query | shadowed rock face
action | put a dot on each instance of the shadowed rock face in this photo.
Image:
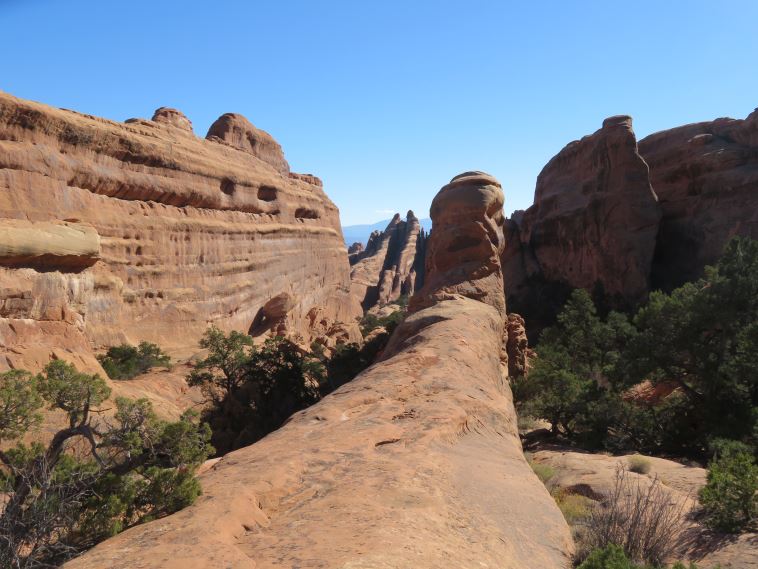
(594, 219)
(706, 178)
(415, 463)
(121, 232)
(391, 265)
(621, 220)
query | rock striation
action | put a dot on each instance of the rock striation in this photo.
(121, 232)
(415, 463)
(621, 218)
(391, 265)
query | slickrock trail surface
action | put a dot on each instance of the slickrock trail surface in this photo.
(391, 265)
(120, 232)
(415, 463)
(593, 475)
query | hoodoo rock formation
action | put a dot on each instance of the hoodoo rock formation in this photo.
(391, 265)
(415, 463)
(120, 232)
(622, 219)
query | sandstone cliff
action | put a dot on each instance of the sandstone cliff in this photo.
(594, 219)
(706, 178)
(391, 265)
(415, 463)
(120, 232)
(622, 219)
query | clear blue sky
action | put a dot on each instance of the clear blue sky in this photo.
(387, 100)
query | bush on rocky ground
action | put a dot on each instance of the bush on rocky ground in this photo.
(127, 362)
(97, 476)
(730, 496)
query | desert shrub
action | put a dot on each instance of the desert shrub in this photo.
(574, 507)
(573, 357)
(127, 362)
(701, 339)
(639, 464)
(613, 557)
(97, 476)
(730, 496)
(637, 516)
(250, 390)
(370, 322)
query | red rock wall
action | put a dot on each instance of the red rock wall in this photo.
(706, 178)
(191, 232)
(391, 265)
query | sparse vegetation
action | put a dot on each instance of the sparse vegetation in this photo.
(697, 349)
(370, 322)
(127, 362)
(251, 390)
(639, 464)
(730, 496)
(543, 471)
(97, 476)
(638, 516)
(613, 557)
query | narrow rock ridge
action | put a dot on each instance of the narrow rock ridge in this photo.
(121, 232)
(415, 463)
(391, 265)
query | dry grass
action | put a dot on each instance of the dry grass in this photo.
(640, 517)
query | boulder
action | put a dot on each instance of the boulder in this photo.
(237, 131)
(173, 117)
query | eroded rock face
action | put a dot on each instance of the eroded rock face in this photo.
(173, 117)
(113, 232)
(621, 220)
(415, 463)
(517, 347)
(240, 133)
(706, 178)
(594, 220)
(464, 258)
(391, 265)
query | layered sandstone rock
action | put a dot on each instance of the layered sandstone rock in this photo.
(237, 131)
(621, 220)
(706, 178)
(391, 265)
(594, 220)
(415, 463)
(517, 347)
(121, 232)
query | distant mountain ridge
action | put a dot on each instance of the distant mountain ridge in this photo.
(360, 233)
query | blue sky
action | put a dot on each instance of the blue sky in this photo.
(387, 100)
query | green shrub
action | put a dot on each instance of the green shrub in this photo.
(729, 498)
(127, 362)
(251, 390)
(370, 322)
(95, 478)
(613, 557)
(639, 464)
